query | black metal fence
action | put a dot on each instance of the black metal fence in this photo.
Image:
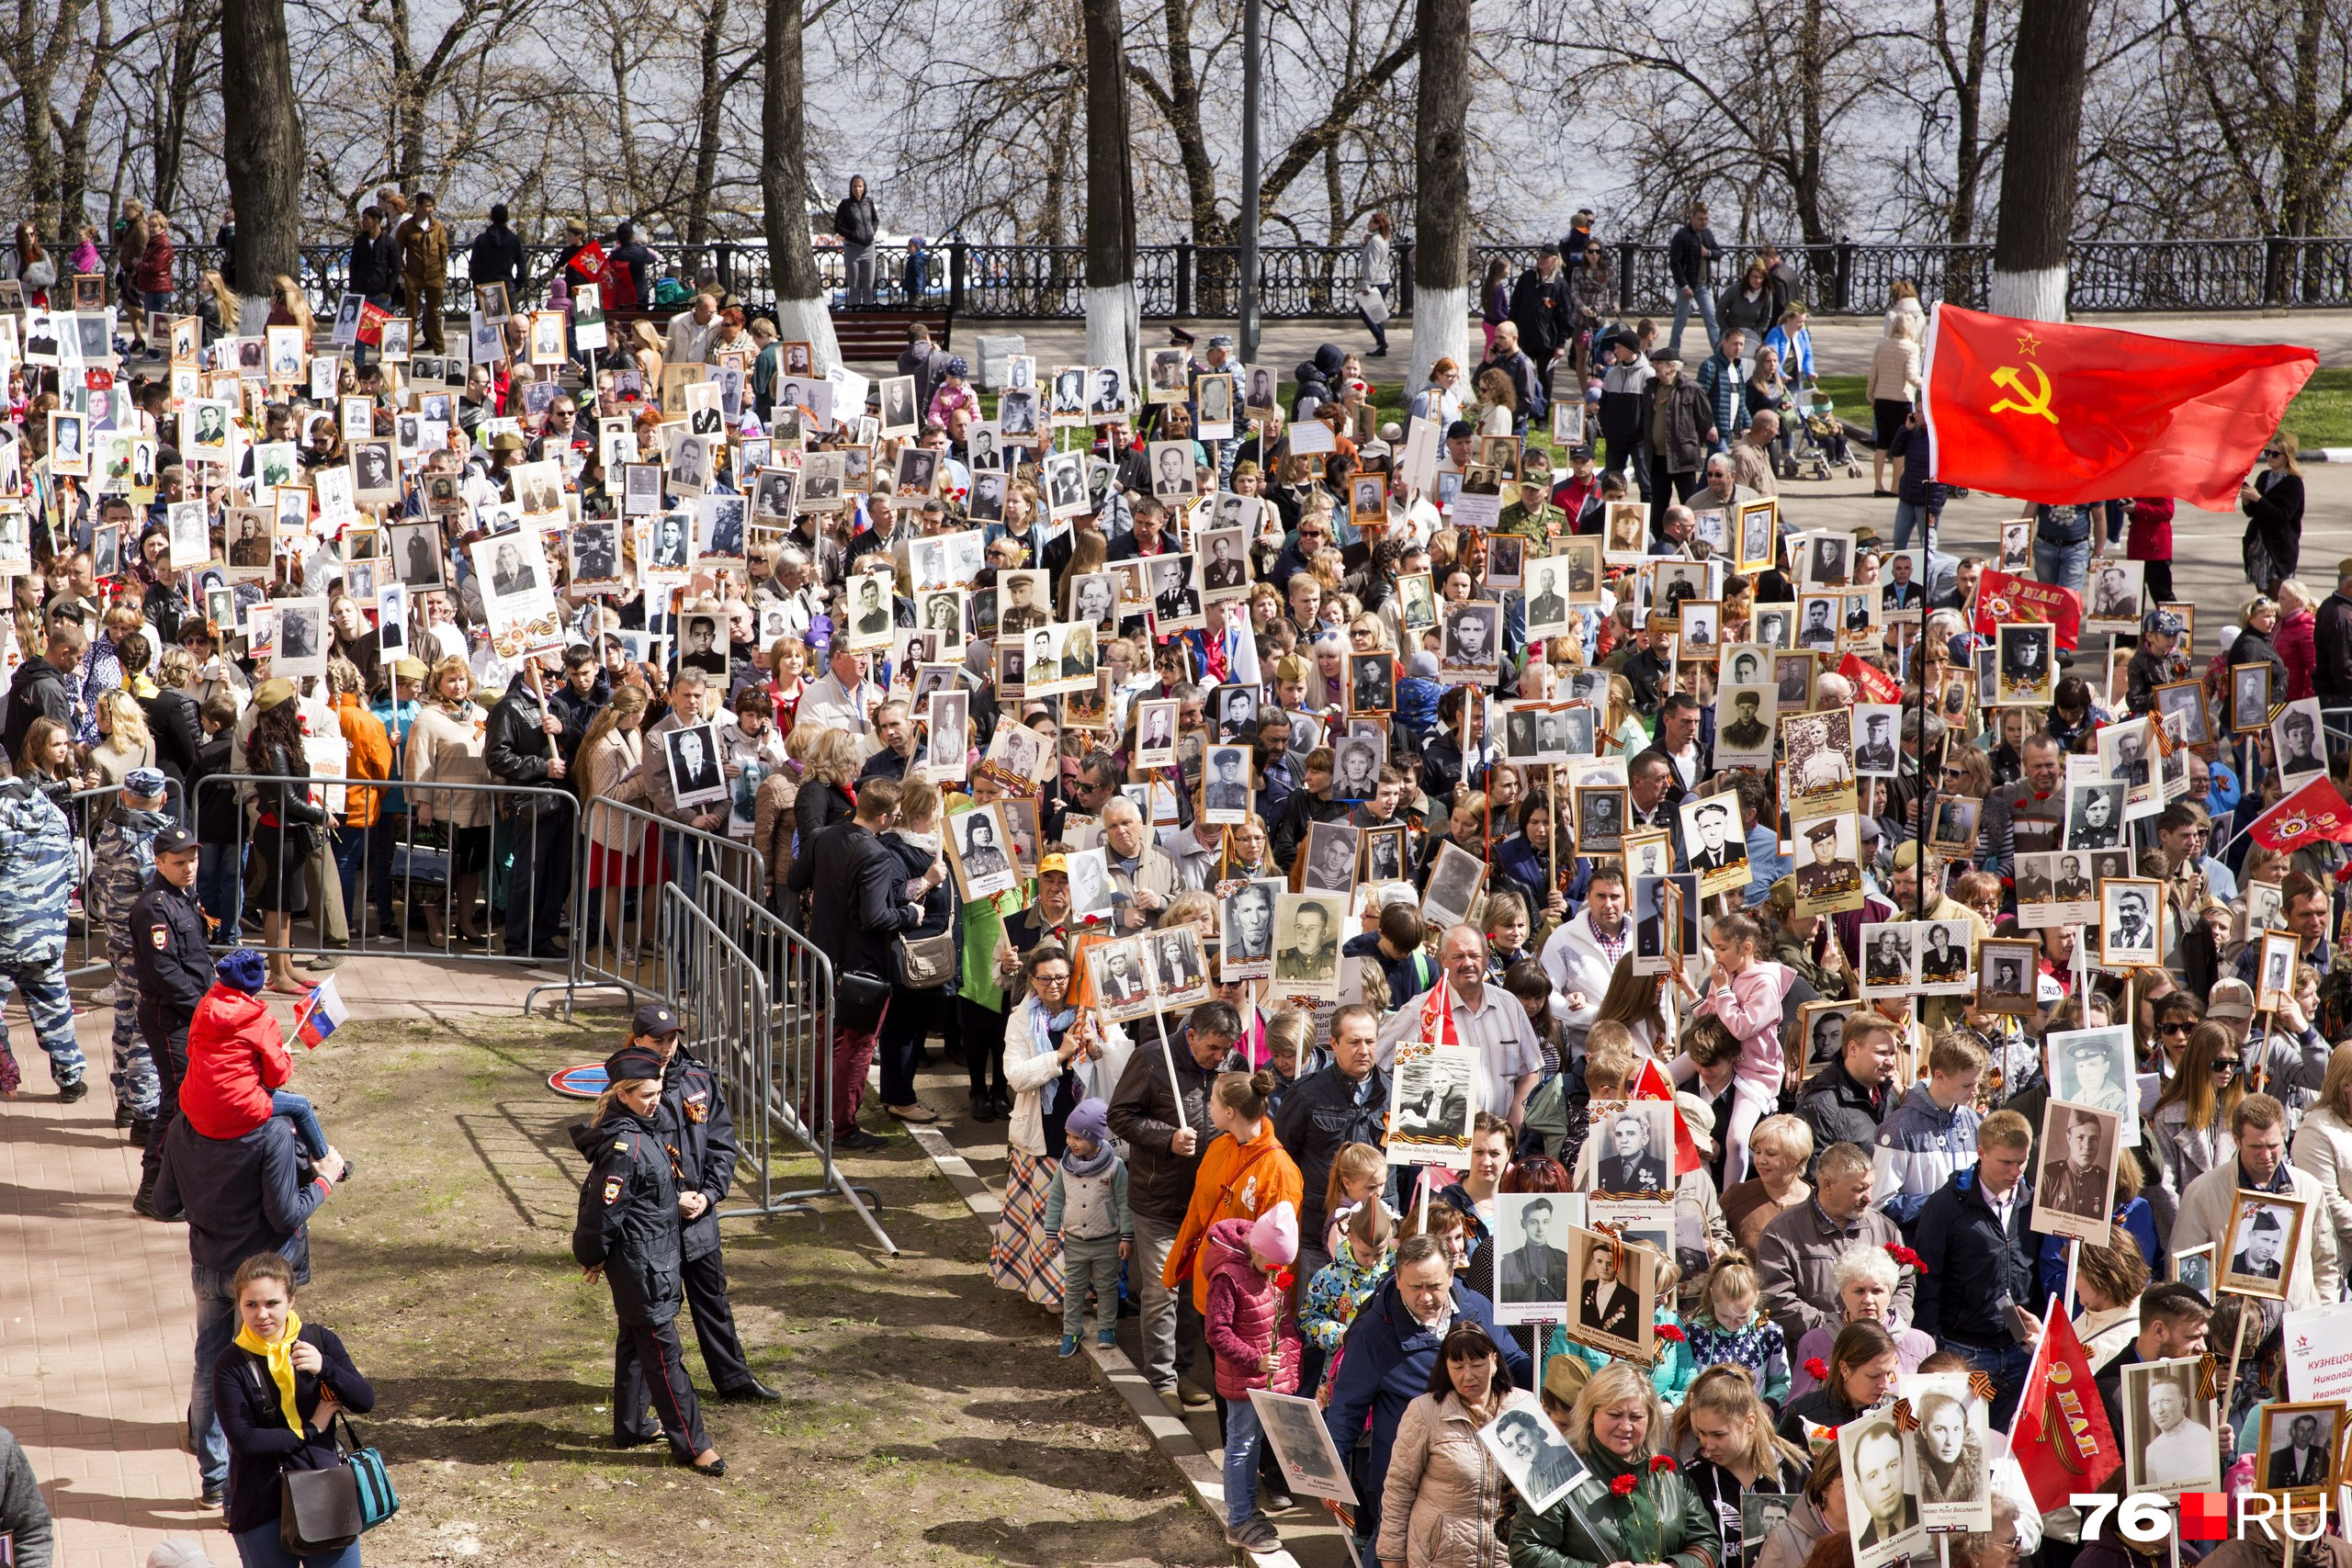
(1180, 280)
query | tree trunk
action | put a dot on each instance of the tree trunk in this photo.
(1968, 124)
(709, 104)
(1184, 110)
(261, 143)
(1112, 320)
(801, 312)
(1441, 187)
(2046, 73)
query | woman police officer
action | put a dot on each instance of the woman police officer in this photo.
(627, 1229)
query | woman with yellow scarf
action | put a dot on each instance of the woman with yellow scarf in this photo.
(277, 1390)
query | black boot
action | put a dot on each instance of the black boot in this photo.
(144, 1204)
(141, 1129)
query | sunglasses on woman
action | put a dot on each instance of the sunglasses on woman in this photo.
(2228, 1064)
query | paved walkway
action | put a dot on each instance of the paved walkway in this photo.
(99, 1328)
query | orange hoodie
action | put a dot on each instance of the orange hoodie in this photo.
(1236, 1181)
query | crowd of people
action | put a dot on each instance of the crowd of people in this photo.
(1152, 735)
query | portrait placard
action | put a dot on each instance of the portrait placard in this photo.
(2074, 1194)
(1434, 1093)
(2169, 1431)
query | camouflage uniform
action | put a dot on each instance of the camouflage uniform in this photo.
(36, 875)
(125, 857)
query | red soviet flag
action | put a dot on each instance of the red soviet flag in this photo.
(2059, 1435)
(2059, 414)
(2314, 813)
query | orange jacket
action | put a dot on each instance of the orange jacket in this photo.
(1236, 1181)
(370, 757)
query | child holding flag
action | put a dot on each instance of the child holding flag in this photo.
(237, 1063)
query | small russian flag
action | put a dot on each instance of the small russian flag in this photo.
(321, 1012)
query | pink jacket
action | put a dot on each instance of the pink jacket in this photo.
(1751, 1008)
(2293, 641)
(946, 399)
(1246, 1312)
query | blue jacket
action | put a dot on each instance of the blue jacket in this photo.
(240, 1196)
(1920, 1147)
(1385, 1365)
(1970, 1266)
(36, 869)
(1726, 392)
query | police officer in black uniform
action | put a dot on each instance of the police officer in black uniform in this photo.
(627, 1229)
(174, 963)
(700, 1132)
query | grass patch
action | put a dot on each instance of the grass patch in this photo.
(926, 1419)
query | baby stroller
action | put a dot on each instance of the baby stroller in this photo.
(1821, 443)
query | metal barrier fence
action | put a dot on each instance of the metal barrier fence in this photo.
(419, 882)
(665, 912)
(1299, 281)
(86, 953)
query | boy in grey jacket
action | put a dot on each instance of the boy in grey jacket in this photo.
(1086, 1211)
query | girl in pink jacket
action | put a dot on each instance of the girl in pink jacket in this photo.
(1745, 993)
(1254, 1335)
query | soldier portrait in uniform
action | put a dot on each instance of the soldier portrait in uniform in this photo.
(1306, 949)
(1875, 752)
(2027, 670)
(1532, 1266)
(2094, 815)
(2259, 1247)
(2073, 1192)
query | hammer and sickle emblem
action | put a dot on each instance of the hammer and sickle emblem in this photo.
(2034, 403)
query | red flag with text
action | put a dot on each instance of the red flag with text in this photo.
(2313, 813)
(2062, 414)
(2004, 598)
(2060, 1436)
(1870, 683)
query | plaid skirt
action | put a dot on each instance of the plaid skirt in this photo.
(1020, 1258)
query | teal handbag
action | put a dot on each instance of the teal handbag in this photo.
(377, 1501)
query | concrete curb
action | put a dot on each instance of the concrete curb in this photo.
(1199, 1467)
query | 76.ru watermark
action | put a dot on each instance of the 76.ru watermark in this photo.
(2145, 1518)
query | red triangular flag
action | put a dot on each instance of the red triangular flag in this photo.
(2315, 812)
(2060, 1436)
(2002, 598)
(2062, 414)
(1653, 1084)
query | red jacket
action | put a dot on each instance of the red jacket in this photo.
(235, 1057)
(153, 272)
(2293, 641)
(1248, 1315)
(2149, 537)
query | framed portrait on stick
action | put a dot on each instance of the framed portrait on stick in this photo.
(1301, 1444)
(2256, 1253)
(2076, 1192)
(1432, 1098)
(1611, 1286)
(2300, 1455)
(2169, 1444)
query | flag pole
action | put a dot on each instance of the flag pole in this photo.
(2237, 1349)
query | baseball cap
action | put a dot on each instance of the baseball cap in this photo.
(2162, 623)
(2230, 998)
(1053, 864)
(655, 1019)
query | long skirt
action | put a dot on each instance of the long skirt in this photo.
(1020, 1256)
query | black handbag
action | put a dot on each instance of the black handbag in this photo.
(318, 1510)
(858, 1001)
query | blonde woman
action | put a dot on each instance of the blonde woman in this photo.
(444, 745)
(2273, 505)
(623, 850)
(1626, 736)
(1893, 387)
(2324, 1145)
(1618, 1426)
(124, 742)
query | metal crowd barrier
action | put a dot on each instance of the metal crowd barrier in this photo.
(86, 933)
(737, 1026)
(409, 867)
(685, 922)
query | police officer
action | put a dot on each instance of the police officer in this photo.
(120, 866)
(700, 1132)
(36, 874)
(627, 1230)
(167, 945)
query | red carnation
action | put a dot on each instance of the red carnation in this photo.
(1667, 1331)
(1818, 1370)
(1623, 1487)
(1661, 1461)
(1283, 1279)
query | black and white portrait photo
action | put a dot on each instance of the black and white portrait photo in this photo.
(1432, 1096)
(1949, 1466)
(982, 850)
(1890, 959)
(593, 546)
(2027, 658)
(1175, 594)
(1454, 884)
(1385, 853)
(2094, 815)
(1711, 837)
(1355, 768)
(1302, 1443)
(2129, 936)
(1472, 640)
(1156, 733)
(2111, 596)
(1631, 1147)
(1600, 820)
(1246, 929)
(1531, 1257)
(1944, 957)
(1876, 725)
(1548, 614)
(693, 757)
(1372, 683)
(1531, 1452)
(1225, 796)
(2167, 1437)
(416, 554)
(2006, 976)
(1171, 464)
(1329, 863)
(1307, 932)
(2249, 696)
(900, 416)
(2264, 1233)
(2074, 1186)
(2094, 1067)
(2295, 736)
(1609, 1292)
(301, 637)
(1881, 1516)
(2299, 1453)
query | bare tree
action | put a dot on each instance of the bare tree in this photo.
(261, 145)
(1441, 170)
(2037, 215)
(800, 310)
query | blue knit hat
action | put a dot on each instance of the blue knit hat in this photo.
(243, 970)
(1090, 1120)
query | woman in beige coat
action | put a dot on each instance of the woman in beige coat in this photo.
(444, 745)
(622, 850)
(1444, 1487)
(1893, 387)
